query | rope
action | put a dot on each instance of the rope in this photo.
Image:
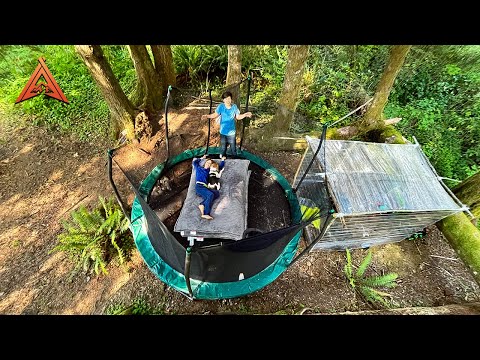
(351, 112)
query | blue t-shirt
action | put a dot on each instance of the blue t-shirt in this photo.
(227, 118)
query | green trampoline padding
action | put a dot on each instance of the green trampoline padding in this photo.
(202, 289)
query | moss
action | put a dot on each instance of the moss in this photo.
(464, 237)
(388, 134)
(331, 133)
(469, 194)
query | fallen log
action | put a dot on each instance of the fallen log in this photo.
(472, 308)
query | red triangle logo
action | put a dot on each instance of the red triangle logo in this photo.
(41, 81)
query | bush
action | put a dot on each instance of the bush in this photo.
(94, 238)
(367, 286)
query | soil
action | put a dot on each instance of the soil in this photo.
(45, 175)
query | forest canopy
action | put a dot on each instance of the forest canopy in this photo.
(436, 92)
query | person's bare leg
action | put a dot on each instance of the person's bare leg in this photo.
(202, 209)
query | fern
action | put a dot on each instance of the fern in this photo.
(366, 286)
(373, 295)
(93, 238)
(139, 306)
(364, 264)
(348, 269)
(387, 280)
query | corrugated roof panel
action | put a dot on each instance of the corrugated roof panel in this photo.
(371, 177)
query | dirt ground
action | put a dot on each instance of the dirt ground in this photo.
(44, 176)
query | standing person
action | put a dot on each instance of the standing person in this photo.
(201, 185)
(228, 112)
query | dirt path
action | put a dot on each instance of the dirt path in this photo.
(44, 176)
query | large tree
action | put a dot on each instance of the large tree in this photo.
(234, 71)
(267, 137)
(163, 61)
(153, 80)
(148, 80)
(464, 237)
(292, 83)
(121, 109)
(373, 117)
(373, 126)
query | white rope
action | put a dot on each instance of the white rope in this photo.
(351, 112)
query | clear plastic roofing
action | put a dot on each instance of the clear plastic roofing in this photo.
(371, 177)
(378, 193)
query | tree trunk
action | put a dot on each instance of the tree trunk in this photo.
(121, 109)
(373, 117)
(353, 51)
(234, 71)
(468, 192)
(464, 237)
(148, 81)
(265, 139)
(163, 60)
(297, 56)
(460, 231)
(450, 309)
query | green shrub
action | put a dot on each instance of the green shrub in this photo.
(196, 65)
(87, 114)
(139, 306)
(366, 285)
(94, 238)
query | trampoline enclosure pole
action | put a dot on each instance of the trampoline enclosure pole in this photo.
(166, 121)
(115, 190)
(246, 109)
(209, 120)
(187, 270)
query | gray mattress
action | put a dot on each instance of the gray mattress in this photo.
(229, 211)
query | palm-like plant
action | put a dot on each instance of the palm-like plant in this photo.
(94, 237)
(366, 285)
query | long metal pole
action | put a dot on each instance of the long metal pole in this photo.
(209, 120)
(166, 121)
(187, 270)
(246, 109)
(324, 131)
(115, 190)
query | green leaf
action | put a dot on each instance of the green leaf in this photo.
(92, 235)
(387, 280)
(348, 265)
(363, 266)
(373, 296)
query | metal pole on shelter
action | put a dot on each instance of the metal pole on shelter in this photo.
(322, 138)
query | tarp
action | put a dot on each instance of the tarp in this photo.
(374, 177)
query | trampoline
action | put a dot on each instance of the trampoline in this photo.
(223, 263)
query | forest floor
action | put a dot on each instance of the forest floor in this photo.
(45, 175)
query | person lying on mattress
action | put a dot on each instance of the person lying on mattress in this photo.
(201, 185)
(214, 176)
